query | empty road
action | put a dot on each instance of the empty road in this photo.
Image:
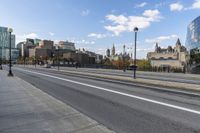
(122, 108)
(174, 77)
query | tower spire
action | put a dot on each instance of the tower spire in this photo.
(178, 42)
(113, 50)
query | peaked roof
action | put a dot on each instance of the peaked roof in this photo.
(156, 44)
(178, 42)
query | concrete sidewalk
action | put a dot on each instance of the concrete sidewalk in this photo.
(26, 109)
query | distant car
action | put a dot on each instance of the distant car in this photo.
(132, 67)
(47, 66)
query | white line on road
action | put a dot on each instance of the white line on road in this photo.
(118, 92)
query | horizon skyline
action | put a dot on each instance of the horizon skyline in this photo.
(100, 28)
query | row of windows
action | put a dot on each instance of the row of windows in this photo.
(162, 58)
(193, 34)
(193, 41)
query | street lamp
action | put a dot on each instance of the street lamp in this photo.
(58, 61)
(53, 58)
(24, 56)
(135, 67)
(35, 61)
(123, 59)
(1, 64)
(40, 60)
(10, 30)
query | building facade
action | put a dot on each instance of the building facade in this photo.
(193, 45)
(14, 54)
(42, 53)
(80, 58)
(67, 45)
(65, 51)
(25, 48)
(98, 58)
(4, 42)
(108, 52)
(113, 56)
(167, 58)
(44, 50)
(33, 41)
(46, 44)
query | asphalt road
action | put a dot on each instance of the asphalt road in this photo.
(174, 77)
(122, 108)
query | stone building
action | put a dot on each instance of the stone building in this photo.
(108, 52)
(81, 58)
(168, 57)
(44, 50)
(115, 56)
(43, 53)
(113, 50)
(25, 47)
(98, 58)
(67, 45)
(46, 44)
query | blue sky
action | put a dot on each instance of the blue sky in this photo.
(98, 24)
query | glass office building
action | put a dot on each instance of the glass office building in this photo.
(193, 43)
(4, 36)
(4, 42)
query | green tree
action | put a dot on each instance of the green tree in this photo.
(144, 65)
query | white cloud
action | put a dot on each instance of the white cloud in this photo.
(81, 41)
(85, 12)
(161, 39)
(176, 7)
(123, 23)
(101, 51)
(116, 29)
(141, 5)
(98, 36)
(153, 15)
(144, 49)
(51, 33)
(121, 19)
(196, 4)
(31, 35)
(21, 38)
(179, 7)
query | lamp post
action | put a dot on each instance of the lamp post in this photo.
(35, 61)
(53, 58)
(24, 52)
(123, 59)
(135, 67)
(58, 61)
(24, 60)
(40, 60)
(10, 30)
(1, 64)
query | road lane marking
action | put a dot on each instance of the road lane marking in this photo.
(117, 92)
(136, 84)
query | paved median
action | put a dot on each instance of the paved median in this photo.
(149, 82)
(159, 83)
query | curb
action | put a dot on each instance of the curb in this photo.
(156, 83)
